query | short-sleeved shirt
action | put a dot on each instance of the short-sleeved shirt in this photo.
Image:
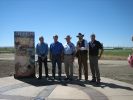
(56, 48)
(69, 48)
(94, 48)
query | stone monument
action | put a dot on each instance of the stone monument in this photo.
(24, 54)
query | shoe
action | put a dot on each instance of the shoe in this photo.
(66, 79)
(47, 78)
(79, 78)
(98, 82)
(93, 81)
(59, 78)
(53, 78)
(39, 78)
(71, 79)
(86, 79)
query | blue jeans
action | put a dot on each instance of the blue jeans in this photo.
(56, 59)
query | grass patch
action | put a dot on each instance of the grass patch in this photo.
(122, 53)
(7, 50)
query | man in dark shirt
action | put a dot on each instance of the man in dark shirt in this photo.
(94, 54)
(82, 55)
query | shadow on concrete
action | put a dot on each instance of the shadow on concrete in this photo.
(110, 85)
(45, 82)
(41, 82)
(50, 81)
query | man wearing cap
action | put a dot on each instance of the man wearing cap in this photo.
(94, 55)
(69, 52)
(42, 52)
(56, 53)
(82, 55)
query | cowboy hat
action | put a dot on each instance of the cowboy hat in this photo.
(80, 35)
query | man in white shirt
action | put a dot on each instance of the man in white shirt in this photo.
(69, 52)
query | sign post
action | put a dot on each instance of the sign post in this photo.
(24, 54)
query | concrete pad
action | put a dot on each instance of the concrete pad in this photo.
(28, 89)
(70, 93)
(8, 81)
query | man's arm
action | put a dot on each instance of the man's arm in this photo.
(101, 50)
(46, 50)
(62, 53)
(100, 54)
(50, 54)
(86, 45)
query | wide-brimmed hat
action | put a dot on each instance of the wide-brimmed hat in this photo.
(55, 36)
(80, 35)
(68, 36)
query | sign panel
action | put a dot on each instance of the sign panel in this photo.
(24, 54)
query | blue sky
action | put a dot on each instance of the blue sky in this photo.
(110, 20)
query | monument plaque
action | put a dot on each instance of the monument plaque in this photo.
(24, 54)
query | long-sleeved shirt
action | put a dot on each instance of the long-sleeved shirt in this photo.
(42, 49)
(69, 48)
(56, 48)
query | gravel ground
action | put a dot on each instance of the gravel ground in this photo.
(114, 69)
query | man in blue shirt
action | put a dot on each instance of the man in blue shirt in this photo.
(69, 53)
(42, 52)
(56, 52)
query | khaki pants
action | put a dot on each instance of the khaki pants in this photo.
(68, 61)
(82, 61)
(94, 67)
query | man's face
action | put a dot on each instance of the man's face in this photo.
(41, 40)
(80, 38)
(55, 39)
(92, 38)
(67, 40)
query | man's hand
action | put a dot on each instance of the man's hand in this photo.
(50, 56)
(43, 58)
(72, 60)
(100, 54)
(99, 57)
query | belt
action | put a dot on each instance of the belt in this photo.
(68, 54)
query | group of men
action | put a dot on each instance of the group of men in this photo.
(66, 53)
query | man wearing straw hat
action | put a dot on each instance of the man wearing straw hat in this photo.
(82, 55)
(69, 52)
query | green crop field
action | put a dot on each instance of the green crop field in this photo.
(123, 52)
(116, 54)
(6, 50)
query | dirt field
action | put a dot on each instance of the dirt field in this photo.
(115, 69)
